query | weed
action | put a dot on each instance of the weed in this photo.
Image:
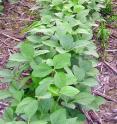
(108, 9)
(103, 35)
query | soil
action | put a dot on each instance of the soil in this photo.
(17, 16)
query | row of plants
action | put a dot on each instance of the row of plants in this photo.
(51, 78)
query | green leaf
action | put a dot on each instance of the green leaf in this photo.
(45, 105)
(28, 106)
(42, 71)
(72, 121)
(16, 94)
(27, 51)
(8, 114)
(39, 122)
(53, 90)
(41, 52)
(6, 73)
(17, 57)
(84, 98)
(49, 62)
(85, 64)
(96, 103)
(58, 117)
(78, 8)
(4, 94)
(34, 39)
(43, 86)
(92, 52)
(60, 79)
(2, 121)
(62, 60)
(93, 72)
(91, 82)
(44, 96)
(66, 40)
(69, 91)
(82, 31)
(16, 122)
(79, 73)
(71, 79)
(68, 105)
(82, 44)
(50, 43)
(56, 2)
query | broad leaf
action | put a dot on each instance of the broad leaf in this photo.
(53, 90)
(60, 79)
(69, 91)
(27, 51)
(28, 106)
(39, 122)
(91, 82)
(84, 98)
(8, 114)
(50, 43)
(4, 94)
(16, 122)
(72, 121)
(79, 73)
(58, 117)
(62, 60)
(96, 103)
(42, 70)
(17, 57)
(43, 86)
(66, 40)
(34, 39)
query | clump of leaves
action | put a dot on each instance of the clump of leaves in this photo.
(55, 70)
(108, 8)
(103, 35)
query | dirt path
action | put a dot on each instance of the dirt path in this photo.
(108, 77)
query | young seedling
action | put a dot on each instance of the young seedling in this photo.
(103, 35)
(108, 9)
